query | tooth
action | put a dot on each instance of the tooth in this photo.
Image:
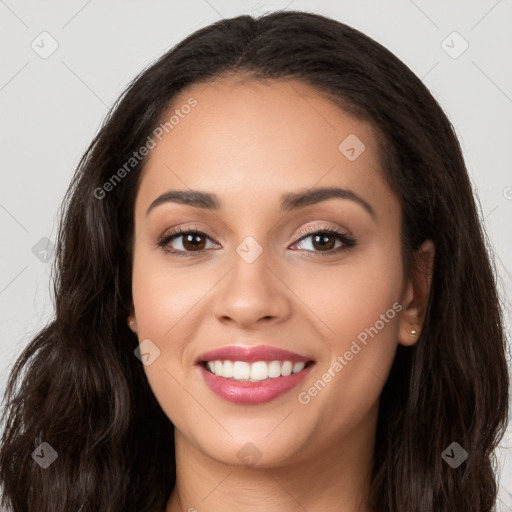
(227, 369)
(286, 369)
(274, 369)
(241, 370)
(298, 367)
(259, 371)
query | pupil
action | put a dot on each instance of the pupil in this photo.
(321, 240)
(193, 240)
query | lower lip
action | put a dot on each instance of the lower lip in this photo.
(250, 393)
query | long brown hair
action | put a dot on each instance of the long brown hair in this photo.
(78, 385)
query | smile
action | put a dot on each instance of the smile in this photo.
(254, 372)
(252, 375)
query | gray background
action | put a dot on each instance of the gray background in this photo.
(52, 107)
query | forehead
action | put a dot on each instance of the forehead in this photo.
(247, 138)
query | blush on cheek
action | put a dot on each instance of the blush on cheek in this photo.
(162, 298)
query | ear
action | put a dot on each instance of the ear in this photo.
(132, 322)
(416, 293)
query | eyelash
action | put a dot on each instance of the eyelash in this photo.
(348, 242)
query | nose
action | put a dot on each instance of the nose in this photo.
(252, 294)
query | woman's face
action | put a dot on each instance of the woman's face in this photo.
(338, 303)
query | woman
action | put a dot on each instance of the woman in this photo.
(272, 293)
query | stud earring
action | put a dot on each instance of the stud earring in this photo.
(413, 332)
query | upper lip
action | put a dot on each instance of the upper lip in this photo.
(251, 354)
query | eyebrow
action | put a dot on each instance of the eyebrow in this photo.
(289, 201)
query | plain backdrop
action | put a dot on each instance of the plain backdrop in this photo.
(52, 105)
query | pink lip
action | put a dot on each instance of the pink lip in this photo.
(252, 393)
(251, 354)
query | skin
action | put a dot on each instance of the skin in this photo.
(250, 142)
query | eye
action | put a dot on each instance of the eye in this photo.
(193, 241)
(323, 240)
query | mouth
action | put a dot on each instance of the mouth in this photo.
(252, 375)
(258, 371)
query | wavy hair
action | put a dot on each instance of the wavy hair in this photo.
(79, 387)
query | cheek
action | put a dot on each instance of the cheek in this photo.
(359, 305)
(163, 295)
(350, 297)
(167, 305)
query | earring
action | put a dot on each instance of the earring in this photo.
(413, 332)
(131, 323)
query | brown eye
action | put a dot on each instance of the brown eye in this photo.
(324, 241)
(189, 241)
(193, 241)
